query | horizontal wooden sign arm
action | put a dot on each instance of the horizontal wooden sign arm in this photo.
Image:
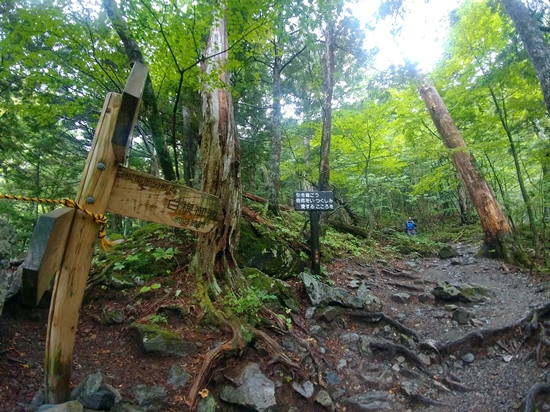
(142, 196)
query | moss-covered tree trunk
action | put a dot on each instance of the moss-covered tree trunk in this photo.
(498, 241)
(220, 149)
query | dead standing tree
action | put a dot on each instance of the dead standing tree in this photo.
(498, 241)
(214, 263)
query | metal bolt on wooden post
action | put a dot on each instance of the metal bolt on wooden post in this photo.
(70, 281)
(65, 241)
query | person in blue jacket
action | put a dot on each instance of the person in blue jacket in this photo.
(410, 227)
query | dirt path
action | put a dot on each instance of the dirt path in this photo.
(501, 370)
(351, 356)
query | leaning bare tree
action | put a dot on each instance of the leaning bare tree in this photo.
(498, 241)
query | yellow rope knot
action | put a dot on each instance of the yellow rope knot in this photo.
(98, 217)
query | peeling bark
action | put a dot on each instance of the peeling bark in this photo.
(220, 150)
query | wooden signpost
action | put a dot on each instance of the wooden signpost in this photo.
(314, 202)
(64, 240)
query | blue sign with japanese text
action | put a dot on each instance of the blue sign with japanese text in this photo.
(313, 201)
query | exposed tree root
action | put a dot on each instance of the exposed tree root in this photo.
(524, 329)
(378, 316)
(451, 381)
(237, 344)
(531, 397)
(393, 348)
(101, 277)
(425, 400)
(277, 354)
(404, 286)
(211, 358)
(399, 274)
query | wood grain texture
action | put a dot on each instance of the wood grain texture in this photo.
(146, 197)
(71, 281)
(45, 253)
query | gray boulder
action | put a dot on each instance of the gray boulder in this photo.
(260, 249)
(324, 295)
(177, 376)
(256, 391)
(150, 398)
(461, 291)
(370, 401)
(157, 339)
(447, 252)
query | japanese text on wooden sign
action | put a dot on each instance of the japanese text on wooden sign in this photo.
(313, 201)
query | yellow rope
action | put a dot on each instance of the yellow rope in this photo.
(98, 217)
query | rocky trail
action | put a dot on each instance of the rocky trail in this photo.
(458, 333)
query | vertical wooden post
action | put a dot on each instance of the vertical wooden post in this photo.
(70, 282)
(109, 147)
(315, 252)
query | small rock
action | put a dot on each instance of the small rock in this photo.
(423, 297)
(468, 358)
(310, 312)
(342, 363)
(323, 398)
(354, 284)
(426, 360)
(317, 331)
(305, 389)
(331, 378)
(401, 297)
(447, 252)
(177, 376)
(462, 316)
(328, 314)
(71, 406)
(438, 315)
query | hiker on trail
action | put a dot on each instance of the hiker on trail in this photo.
(410, 227)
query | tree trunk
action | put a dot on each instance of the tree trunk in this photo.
(328, 82)
(275, 177)
(215, 260)
(190, 144)
(497, 231)
(462, 204)
(534, 42)
(149, 99)
(503, 116)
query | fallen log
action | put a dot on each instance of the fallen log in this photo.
(263, 200)
(253, 216)
(354, 230)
